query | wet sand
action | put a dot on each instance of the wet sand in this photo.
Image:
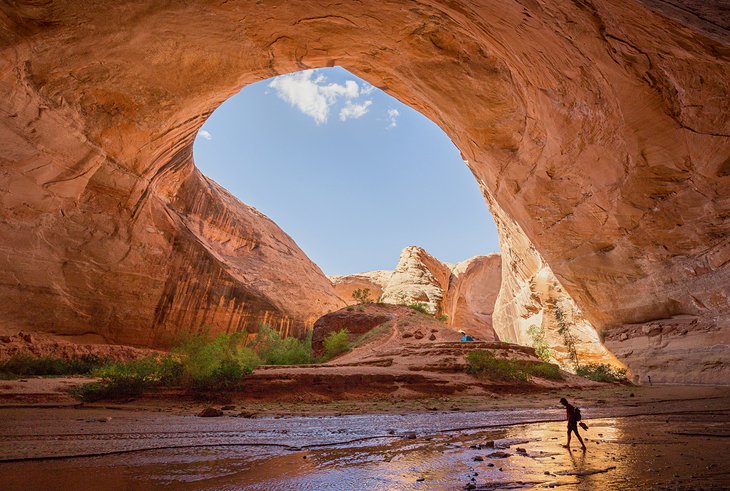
(663, 438)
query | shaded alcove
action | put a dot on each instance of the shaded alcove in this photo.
(594, 129)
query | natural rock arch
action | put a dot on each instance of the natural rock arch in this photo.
(598, 131)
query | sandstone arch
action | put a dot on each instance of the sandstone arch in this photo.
(598, 131)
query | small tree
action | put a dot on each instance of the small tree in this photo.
(564, 330)
(362, 295)
(542, 348)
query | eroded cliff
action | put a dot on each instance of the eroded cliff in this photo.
(599, 127)
(464, 292)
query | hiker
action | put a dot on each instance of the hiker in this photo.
(574, 416)
(464, 336)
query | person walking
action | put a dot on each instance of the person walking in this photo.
(574, 416)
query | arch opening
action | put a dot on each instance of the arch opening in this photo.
(352, 174)
(601, 161)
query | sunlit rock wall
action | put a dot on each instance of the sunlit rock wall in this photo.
(464, 292)
(599, 127)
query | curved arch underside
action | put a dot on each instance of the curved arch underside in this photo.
(598, 131)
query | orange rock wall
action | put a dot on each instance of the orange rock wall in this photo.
(600, 127)
(470, 299)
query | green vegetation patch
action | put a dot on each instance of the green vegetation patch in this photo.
(483, 363)
(336, 343)
(602, 372)
(542, 348)
(24, 366)
(272, 349)
(420, 307)
(362, 295)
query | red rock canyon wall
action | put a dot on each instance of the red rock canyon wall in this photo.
(599, 127)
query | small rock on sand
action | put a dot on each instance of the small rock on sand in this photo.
(499, 455)
(210, 412)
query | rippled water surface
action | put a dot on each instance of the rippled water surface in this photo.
(82, 449)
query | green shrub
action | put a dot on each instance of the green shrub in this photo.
(362, 295)
(443, 318)
(128, 379)
(542, 348)
(484, 363)
(214, 363)
(420, 307)
(336, 343)
(602, 372)
(24, 365)
(549, 371)
(273, 350)
(198, 363)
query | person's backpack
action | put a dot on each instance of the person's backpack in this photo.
(577, 414)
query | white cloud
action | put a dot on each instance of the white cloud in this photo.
(393, 117)
(205, 134)
(366, 88)
(308, 92)
(354, 111)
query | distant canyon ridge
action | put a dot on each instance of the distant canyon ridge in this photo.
(598, 132)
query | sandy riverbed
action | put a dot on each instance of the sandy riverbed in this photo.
(662, 438)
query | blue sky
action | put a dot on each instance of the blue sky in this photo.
(350, 173)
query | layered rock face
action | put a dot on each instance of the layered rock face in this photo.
(472, 294)
(599, 127)
(466, 292)
(529, 300)
(374, 281)
(418, 278)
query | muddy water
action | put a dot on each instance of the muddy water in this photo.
(680, 445)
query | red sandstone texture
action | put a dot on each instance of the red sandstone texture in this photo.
(34, 345)
(598, 132)
(397, 352)
(469, 302)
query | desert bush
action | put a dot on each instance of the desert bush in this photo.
(362, 295)
(272, 349)
(420, 307)
(443, 318)
(24, 365)
(198, 363)
(129, 379)
(542, 348)
(336, 343)
(484, 363)
(602, 372)
(545, 370)
(215, 363)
